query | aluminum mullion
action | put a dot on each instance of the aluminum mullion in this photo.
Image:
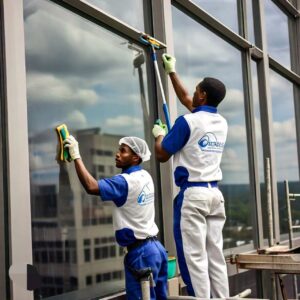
(288, 74)
(4, 248)
(250, 126)
(266, 105)
(17, 148)
(287, 7)
(105, 18)
(212, 24)
(162, 27)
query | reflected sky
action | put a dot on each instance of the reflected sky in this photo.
(284, 128)
(128, 11)
(257, 122)
(225, 12)
(77, 72)
(277, 33)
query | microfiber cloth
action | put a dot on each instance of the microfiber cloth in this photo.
(62, 133)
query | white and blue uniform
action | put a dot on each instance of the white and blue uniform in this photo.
(197, 141)
(133, 219)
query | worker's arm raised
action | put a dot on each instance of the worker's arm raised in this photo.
(89, 183)
(181, 92)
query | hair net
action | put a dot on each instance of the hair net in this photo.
(138, 146)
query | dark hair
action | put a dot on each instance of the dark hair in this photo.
(215, 90)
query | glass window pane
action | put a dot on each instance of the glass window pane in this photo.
(250, 24)
(277, 35)
(128, 11)
(224, 11)
(259, 147)
(218, 59)
(287, 165)
(94, 81)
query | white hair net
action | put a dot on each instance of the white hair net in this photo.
(138, 146)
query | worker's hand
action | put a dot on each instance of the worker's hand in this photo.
(159, 129)
(72, 145)
(169, 63)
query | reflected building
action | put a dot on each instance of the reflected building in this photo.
(73, 238)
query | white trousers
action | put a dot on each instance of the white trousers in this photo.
(199, 217)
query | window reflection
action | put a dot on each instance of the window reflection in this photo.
(128, 11)
(250, 24)
(284, 128)
(200, 53)
(277, 36)
(259, 147)
(94, 81)
(227, 14)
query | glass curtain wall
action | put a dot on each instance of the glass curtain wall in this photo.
(225, 12)
(128, 11)
(259, 145)
(95, 82)
(277, 33)
(285, 145)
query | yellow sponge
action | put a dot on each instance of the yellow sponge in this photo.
(62, 134)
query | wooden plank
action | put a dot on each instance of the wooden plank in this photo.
(281, 263)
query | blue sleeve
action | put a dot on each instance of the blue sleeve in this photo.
(177, 137)
(114, 189)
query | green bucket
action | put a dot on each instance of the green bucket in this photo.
(171, 266)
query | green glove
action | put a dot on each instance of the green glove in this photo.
(169, 63)
(159, 129)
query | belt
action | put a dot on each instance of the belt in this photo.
(138, 243)
(187, 184)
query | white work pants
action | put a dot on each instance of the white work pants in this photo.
(199, 217)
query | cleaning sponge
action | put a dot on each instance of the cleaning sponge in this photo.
(62, 133)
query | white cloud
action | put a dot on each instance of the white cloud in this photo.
(284, 131)
(123, 121)
(76, 119)
(48, 88)
(236, 135)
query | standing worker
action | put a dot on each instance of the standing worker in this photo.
(197, 140)
(132, 192)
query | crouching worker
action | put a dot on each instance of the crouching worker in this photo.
(132, 192)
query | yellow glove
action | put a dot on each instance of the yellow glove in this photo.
(169, 63)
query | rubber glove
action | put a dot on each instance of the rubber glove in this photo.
(72, 145)
(169, 63)
(159, 128)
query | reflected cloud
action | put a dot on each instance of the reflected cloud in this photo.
(284, 132)
(123, 121)
(76, 119)
(58, 91)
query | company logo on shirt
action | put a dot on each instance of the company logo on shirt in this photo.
(146, 196)
(210, 143)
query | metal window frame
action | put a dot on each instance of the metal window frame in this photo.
(266, 105)
(250, 127)
(17, 143)
(4, 248)
(288, 8)
(162, 29)
(106, 20)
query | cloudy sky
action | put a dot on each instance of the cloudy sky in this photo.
(83, 75)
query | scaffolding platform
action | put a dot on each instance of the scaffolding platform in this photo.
(280, 259)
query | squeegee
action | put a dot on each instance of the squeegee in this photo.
(155, 44)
